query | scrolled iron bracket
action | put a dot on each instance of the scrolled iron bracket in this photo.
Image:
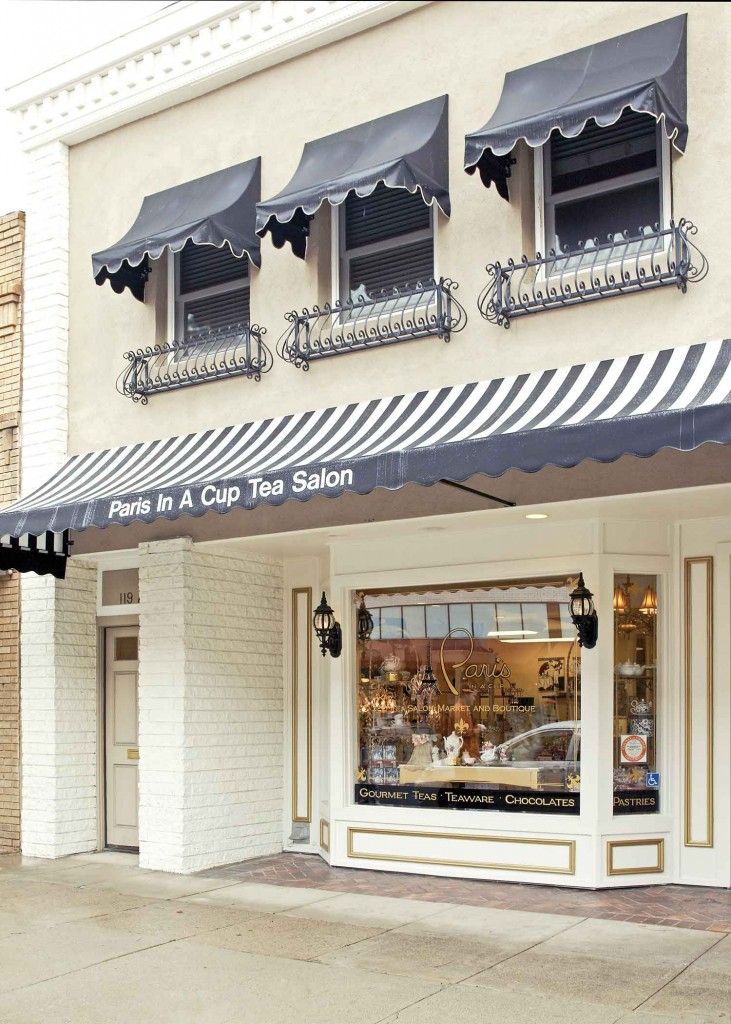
(428, 309)
(621, 264)
(236, 350)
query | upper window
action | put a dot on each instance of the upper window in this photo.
(211, 291)
(604, 184)
(386, 243)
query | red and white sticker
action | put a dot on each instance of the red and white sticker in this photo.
(633, 749)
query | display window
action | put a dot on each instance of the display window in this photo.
(636, 778)
(471, 699)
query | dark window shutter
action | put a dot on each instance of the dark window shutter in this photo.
(393, 269)
(202, 266)
(215, 312)
(598, 154)
(385, 213)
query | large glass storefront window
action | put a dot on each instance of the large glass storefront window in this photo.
(636, 779)
(471, 698)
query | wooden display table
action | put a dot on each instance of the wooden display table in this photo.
(503, 775)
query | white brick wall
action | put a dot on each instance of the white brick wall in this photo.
(47, 684)
(45, 314)
(59, 714)
(211, 707)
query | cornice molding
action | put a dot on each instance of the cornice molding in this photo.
(177, 56)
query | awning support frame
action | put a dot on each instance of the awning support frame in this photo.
(480, 494)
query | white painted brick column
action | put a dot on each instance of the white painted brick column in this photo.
(58, 631)
(44, 428)
(211, 707)
(59, 714)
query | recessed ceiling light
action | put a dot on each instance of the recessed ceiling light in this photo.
(536, 515)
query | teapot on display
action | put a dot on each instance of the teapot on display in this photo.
(452, 746)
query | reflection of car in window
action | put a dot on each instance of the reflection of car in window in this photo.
(548, 746)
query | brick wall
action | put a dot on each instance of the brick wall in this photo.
(211, 707)
(59, 712)
(12, 231)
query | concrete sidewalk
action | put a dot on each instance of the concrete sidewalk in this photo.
(93, 939)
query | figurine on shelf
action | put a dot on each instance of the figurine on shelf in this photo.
(452, 746)
(488, 752)
(423, 752)
(436, 757)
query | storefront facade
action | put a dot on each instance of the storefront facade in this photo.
(446, 498)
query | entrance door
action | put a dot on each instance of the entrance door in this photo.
(122, 752)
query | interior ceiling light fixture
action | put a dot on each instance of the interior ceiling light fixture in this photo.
(536, 515)
(542, 640)
(512, 632)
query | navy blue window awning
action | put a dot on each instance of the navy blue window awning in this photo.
(404, 150)
(644, 71)
(218, 209)
(676, 398)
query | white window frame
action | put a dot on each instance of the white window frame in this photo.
(338, 251)
(176, 301)
(545, 203)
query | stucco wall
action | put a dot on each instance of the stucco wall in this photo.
(462, 49)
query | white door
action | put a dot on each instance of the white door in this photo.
(122, 752)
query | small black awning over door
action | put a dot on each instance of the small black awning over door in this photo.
(644, 70)
(408, 150)
(218, 209)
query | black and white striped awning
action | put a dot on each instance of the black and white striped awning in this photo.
(678, 398)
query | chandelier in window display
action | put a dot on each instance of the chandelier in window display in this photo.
(629, 619)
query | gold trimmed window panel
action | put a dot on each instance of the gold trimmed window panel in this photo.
(569, 845)
(301, 704)
(698, 634)
(324, 835)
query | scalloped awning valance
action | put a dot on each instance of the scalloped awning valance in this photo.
(218, 209)
(408, 150)
(633, 405)
(644, 70)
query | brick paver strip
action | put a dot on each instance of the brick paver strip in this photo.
(676, 906)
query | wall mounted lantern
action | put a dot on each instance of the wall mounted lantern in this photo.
(364, 622)
(327, 630)
(428, 687)
(583, 614)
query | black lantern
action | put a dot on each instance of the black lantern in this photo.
(428, 688)
(364, 622)
(327, 629)
(583, 614)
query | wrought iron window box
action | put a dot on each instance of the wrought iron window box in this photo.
(424, 311)
(597, 271)
(237, 350)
